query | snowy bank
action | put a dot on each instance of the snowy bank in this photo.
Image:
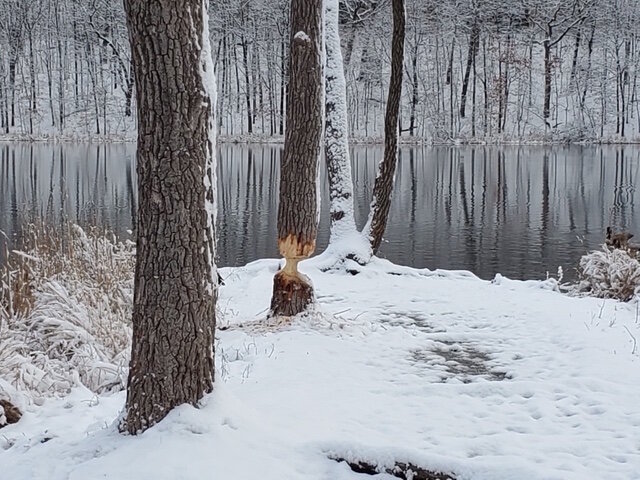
(482, 380)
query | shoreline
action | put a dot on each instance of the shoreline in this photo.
(357, 140)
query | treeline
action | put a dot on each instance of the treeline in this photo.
(474, 69)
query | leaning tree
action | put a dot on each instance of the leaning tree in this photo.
(337, 145)
(172, 359)
(299, 203)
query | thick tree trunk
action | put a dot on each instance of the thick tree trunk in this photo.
(336, 134)
(383, 186)
(298, 208)
(172, 359)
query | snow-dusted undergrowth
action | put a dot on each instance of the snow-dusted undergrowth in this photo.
(66, 303)
(609, 273)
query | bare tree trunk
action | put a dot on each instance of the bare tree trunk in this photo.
(383, 186)
(128, 93)
(547, 82)
(172, 359)
(283, 77)
(336, 131)
(588, 76)
(299, 202)
(574, 62)
(414, 87)
(12, 84)
(471, 58)
(32, 73)
(473, 101)
(247, 84)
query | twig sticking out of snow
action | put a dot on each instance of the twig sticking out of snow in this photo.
(635, 342)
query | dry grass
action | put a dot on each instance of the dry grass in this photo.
(65, 309)
(609, 273)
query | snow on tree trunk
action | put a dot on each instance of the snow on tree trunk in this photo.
(172, 359)
(299, 202)
(341, 207)
(383, 186)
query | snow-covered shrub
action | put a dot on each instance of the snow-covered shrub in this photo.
(66, 302)
(609, 273)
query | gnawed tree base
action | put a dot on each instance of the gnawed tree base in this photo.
(11, 413)
(292, 293)
(406, 471)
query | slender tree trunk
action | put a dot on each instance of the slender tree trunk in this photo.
(574, 62)
(247, 84)
(12, 85)
(172, 360)
(414, 89)
(33, 106)
(383, 186)
(500, 86)
(473, 101)
(471, 56)
(336, 131)
(61, 60)
(128, 93)
(588, 76)
(283, 79)
(299, 202)
(224, 83)
(547, 79)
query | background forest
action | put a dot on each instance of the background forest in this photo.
(496, 70)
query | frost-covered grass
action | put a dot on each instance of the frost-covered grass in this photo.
(609, 273)
(66, 303)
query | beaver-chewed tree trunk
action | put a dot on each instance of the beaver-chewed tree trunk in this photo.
(172, 359)
(298, 208)
(383, 185)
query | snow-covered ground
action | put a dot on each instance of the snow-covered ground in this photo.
(486, 380)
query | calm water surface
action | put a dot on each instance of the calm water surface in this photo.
(520, 211)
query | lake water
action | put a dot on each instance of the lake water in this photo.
(520, 211)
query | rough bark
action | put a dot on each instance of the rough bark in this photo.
(341, 207)
(172, 359)
(383, 185)
(298, 207)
